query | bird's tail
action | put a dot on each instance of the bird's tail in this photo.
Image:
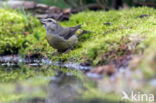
(77, 27)
(80, 31)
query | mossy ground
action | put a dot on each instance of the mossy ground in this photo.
(114, 32)
(107, 38)
(19, 32)
(24, 34)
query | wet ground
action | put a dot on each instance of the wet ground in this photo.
(25, 80)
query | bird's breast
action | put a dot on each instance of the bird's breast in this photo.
(57, 42)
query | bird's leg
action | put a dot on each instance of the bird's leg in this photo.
(67, 51)
(55, 53)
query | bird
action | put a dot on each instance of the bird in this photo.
(60, 38)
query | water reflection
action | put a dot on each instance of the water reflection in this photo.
(36, 82)
(64, 88)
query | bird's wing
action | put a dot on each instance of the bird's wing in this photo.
(68, 32)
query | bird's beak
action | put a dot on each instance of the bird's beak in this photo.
(43, 21)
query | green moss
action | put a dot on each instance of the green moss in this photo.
(106, 38)
(19, 32)
(24, 34)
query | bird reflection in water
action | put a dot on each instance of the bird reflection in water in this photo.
(64, 88)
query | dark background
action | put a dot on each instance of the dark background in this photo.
(105, 4)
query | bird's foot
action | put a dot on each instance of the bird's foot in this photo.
(55, 53)
(67, 51)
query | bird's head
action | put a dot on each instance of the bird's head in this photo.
(49, 23)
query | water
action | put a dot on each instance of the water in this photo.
(40, 80)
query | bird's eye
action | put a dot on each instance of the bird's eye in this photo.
(49, 20)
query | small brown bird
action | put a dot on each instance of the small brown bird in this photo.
(59, 37)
